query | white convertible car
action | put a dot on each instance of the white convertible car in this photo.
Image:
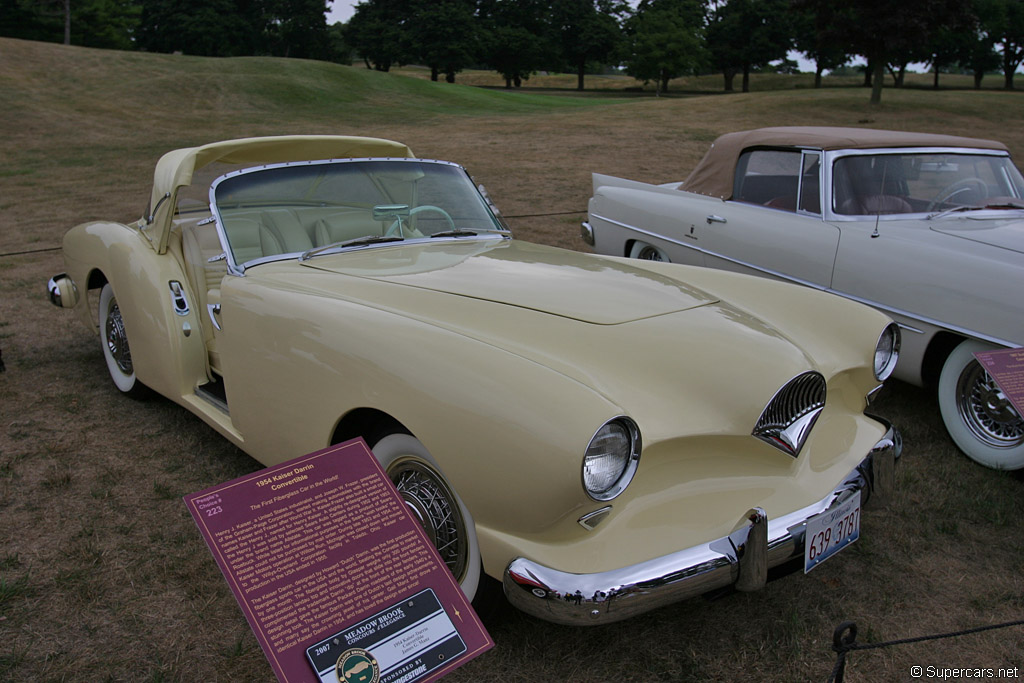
(927, 228)
(603, 436)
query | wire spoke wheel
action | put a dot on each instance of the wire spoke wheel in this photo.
(114, 341)
(979, 417)
(433, 504)
(986, 410)
(117, 339)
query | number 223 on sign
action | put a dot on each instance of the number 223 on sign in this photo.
(831, 531)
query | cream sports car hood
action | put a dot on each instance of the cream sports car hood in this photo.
(634, 332)
(562, 283)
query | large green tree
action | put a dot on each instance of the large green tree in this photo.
(376, 32)
(665, 39)
(889, 33)
(295, 28)
(212, 28)
(588, 31)
(443, 35)
(746, 34)
(818, 34)
(516, 37)
(92, 23)
(1003, 20)
(104, 23)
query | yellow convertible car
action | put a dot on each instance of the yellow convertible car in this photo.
(602, 435)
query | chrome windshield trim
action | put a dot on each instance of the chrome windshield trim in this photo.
(239, 269)
(739, 558)
(831, 156)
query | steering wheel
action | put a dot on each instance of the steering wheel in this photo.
(396, 226)
(947, 193)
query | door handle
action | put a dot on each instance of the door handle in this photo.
(715, 219)
(214, 311)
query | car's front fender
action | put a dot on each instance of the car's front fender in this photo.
(508, 433)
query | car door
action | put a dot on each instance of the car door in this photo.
(773, 225)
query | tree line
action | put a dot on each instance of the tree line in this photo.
(655, 41)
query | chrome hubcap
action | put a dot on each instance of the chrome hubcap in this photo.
(649, 254)
(117, 339)
(985, 409)
(433, 505)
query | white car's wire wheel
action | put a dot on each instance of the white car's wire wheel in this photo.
(114, 340)
(647, 252)
(433, 503)
(978, 415)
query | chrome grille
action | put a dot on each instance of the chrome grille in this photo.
(787, 419)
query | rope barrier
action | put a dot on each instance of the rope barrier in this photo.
(544, 215)
(30, 251)
(844, 639)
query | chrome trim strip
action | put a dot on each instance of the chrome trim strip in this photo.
(734, 560)
(789, 278)
(627, 226)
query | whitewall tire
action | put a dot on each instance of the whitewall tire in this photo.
(434, 504)
(114, 341)
(648, 252)
(978, 416)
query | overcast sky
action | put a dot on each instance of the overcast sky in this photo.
(340, 10)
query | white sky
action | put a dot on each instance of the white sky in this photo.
(340, 10)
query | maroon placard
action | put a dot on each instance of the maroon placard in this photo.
(321, 547)
(1006, 367)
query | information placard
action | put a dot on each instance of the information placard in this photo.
(1006, 368)
(333, 574)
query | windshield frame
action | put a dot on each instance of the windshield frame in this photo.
(498, 231)
(832, 157)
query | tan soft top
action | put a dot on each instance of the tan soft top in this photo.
(713, 176)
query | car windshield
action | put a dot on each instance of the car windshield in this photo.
(308, 207)
(894, 183)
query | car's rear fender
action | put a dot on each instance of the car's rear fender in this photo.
(167, 347)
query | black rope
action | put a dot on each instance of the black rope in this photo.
(30, 251)
(543, 215)
(844, 639)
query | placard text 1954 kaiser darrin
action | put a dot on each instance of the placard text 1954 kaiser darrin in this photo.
(927, 228)
(602, 435)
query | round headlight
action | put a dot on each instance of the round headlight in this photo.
(887, 351)
(611, 459)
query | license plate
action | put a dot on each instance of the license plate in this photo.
(831, 531)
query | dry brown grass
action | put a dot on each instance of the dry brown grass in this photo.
(102, 572)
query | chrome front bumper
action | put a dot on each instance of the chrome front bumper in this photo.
(741, 559)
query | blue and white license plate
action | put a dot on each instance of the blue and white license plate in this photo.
(831, 531)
